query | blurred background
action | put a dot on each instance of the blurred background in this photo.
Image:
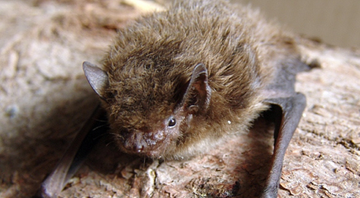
(332, 21)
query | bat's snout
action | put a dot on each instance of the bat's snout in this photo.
(140, 142)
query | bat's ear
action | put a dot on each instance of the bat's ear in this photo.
(198, 93)
(96, 77)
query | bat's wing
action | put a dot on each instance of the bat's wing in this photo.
(286, 108)
(76, 154)
(286, 114)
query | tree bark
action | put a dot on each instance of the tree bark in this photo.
(45, 99)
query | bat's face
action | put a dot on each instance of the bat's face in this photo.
(148, 115)
(154, 139)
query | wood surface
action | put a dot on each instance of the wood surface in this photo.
(45, 99)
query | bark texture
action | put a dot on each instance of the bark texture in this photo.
(45, 99)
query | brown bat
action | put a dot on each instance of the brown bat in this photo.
(173, 81)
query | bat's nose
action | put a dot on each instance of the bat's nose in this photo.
(143, 142)
(139, 148)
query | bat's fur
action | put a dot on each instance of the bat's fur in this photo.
(151, 63)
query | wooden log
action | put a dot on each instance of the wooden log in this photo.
(45, 99)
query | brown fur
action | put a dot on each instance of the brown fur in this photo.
(151, 62)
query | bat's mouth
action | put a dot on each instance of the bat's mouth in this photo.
(151, 144)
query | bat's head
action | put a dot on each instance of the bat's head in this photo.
(161, 101)
(149, 113)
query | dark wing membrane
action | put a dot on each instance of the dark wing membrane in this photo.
(81, 146)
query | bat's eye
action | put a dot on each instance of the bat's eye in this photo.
(172, 122)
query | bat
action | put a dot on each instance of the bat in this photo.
(176, 81)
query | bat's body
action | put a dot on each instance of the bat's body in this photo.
(175, 82)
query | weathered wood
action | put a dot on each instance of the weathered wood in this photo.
(45, 99)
